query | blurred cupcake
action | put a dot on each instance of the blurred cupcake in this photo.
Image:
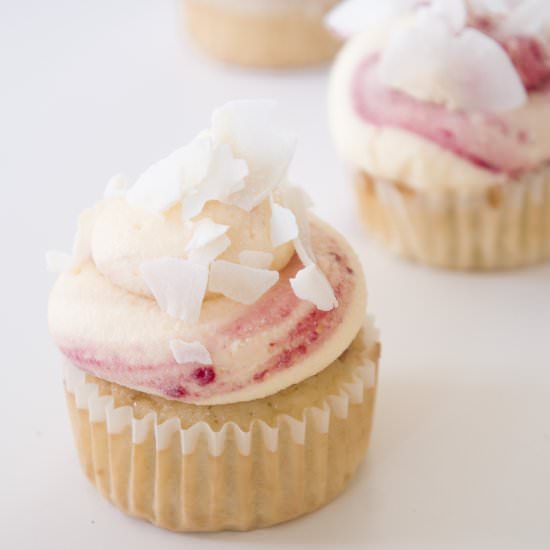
(219, 370)
(262, 33)
(443, 110)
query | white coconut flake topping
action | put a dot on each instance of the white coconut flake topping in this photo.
(205, 231)
(225, 176)
(117, 187)
(206, 254)
(189, 352)
(352, 16)
(453, 12)
(312, 285)
(283, 225)
(58, 262)
(208, 241)
(482, 78)
(178, 286)
(251, 129)
(299, 202)
(240, 161)
(256, 258)
(163, 184)
(240, 283)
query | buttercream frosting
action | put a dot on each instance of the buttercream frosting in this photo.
(208, 280)
(425, 143)
(256, 349)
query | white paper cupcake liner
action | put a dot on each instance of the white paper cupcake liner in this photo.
(498, 228)
(200, 479)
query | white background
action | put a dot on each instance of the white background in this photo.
(460, 455)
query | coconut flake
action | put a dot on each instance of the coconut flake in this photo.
(250, 128)
(352, 16)
(177, 285)
(117, 187)
(58, 262)
(225, 176)
(162, 185)
(482, 77)
(453, 12)
(312, 285)
(256, 258)
(208, 241)
(206, 254)
(189, 352)
(240, 283)
(204, 232)
(299, 203)
(283, 225)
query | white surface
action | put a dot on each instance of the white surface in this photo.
(460, 455)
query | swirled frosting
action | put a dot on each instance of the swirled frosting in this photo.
(209, 282)
(412, 120)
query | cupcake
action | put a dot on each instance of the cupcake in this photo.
(220, 371)
(442, 109)
(262, 33)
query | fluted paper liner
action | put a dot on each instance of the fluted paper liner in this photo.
(497, 228)
(198, 479)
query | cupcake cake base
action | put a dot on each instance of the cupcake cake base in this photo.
(500, 227)
(285, 35)
(262, 462)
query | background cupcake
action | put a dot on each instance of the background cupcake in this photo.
(443, 111)
(217, 372)
(262, 33)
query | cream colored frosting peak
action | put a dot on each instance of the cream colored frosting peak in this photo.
(123, 237)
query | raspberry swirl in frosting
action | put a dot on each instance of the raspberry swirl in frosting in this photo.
(443, 93)
(208, 281)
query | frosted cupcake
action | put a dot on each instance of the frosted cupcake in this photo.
(262, 33)
(219, 370)
(443, 111)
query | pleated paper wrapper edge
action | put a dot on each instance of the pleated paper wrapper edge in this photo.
(200, 479)
(493, 228)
